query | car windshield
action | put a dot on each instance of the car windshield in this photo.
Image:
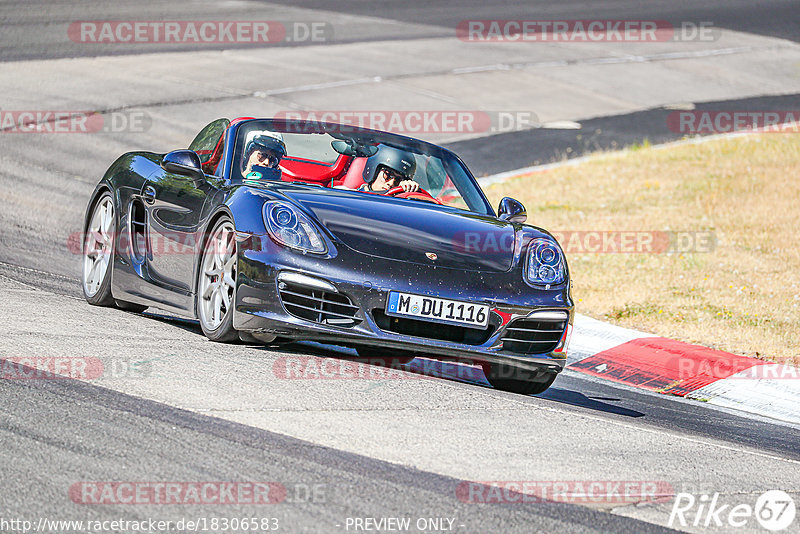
(344, 157)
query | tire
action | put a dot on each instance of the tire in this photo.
(518, 380)
(216, 283)
(98, 252)
(130, 306)
(249, 338)
(382, 356)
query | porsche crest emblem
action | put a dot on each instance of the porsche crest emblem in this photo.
(431, 256)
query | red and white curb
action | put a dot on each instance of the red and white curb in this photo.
(673, 367)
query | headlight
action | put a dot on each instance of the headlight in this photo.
(545, 265)
(290, 227)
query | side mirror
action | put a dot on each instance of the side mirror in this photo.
(512, 210)
(185, 163)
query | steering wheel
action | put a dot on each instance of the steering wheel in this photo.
(419, 194)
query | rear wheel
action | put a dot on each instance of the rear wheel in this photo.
(98, 252)
(98, 248)
(216, 285)
(517, 379)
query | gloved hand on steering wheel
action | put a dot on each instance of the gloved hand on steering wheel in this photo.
(409, 186)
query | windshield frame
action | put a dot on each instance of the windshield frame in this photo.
(346, 131)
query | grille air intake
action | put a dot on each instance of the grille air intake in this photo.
(534, 335)
(429, 330)
(318, 305)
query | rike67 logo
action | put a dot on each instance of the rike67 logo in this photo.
(774, 510)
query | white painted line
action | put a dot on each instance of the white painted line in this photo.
(778, 398)
(316, 86)
(562, 125)
(500, 177)
(518, 66)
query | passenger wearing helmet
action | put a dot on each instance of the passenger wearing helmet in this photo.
(262, 155)
(389, 168)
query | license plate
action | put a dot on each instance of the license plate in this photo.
(438, 310)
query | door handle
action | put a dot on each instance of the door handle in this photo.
(149, 194)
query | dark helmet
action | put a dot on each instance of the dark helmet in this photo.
(395, 159)
(269, 144)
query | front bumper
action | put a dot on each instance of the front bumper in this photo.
(367, 280)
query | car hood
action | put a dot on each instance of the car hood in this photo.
(410, 231)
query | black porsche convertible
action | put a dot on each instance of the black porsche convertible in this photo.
(272, 230)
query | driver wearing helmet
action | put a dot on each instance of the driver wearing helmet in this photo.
(390, 168)
(262, 155)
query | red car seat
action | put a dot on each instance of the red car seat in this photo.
(354, 178)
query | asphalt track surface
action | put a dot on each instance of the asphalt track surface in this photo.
(205, 416)
(98, 432)
(32, 28)
(542, 146)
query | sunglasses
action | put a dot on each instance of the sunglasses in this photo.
(262, 156)
(392, 176)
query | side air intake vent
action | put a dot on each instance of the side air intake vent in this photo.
(138, 239)
(315, 300)
(537, 334)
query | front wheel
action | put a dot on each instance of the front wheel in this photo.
(98, 249)
(216, 284)
(517, 379)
